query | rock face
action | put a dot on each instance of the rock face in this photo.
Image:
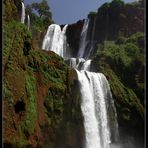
(125, 19)
(73, 36)
(111, 20)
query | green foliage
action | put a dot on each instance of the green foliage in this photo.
(137, 39)
(6, 90)
(42, 18)
(104, 9)
(16, 35)
(54, 105)
(120, 40)
(21, 142)
(129, 107)
(42, 8)
(52, 71)
(131, 49)
(92, 14)
(123, 52)
(114, 7)
(10, 10)
(50, 67)
(122, 62)
(115, 54)
(28, 125)
(117, 4)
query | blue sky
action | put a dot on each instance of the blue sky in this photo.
(70, 11)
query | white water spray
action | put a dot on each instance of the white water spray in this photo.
(23, 14)
(94, 109)
(79, 63)
(55, 39)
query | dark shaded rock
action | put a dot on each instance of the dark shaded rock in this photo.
(73, 36)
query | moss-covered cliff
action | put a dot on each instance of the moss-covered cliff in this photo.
(38, 101)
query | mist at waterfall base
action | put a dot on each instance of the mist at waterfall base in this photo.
(97, 105)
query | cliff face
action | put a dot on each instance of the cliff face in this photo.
(112, 20)
(39, 101)
(73, 36)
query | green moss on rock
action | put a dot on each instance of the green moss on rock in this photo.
(30, 119)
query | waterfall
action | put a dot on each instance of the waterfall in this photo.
(28, 22)
(79, 63)
(86, 46)
(95, 92)
(64, 41)
(55, 39)
(86, 65)
(92, 39)
(76, 62)
(94, 110)
(97, 105)
(98, 109)
(23, 13)
(83, 41)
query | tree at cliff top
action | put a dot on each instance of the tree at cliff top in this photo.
(42, 8)
(40, 15)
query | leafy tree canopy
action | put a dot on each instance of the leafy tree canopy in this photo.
(40, 15)
(42, 8)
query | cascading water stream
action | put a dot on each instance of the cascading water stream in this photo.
(28, 22)
(79, 63)
(55, 39)
(94, 109)
(23, 13)
(92, 39)
(64, 41)
(99, 112)
(83, 41)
